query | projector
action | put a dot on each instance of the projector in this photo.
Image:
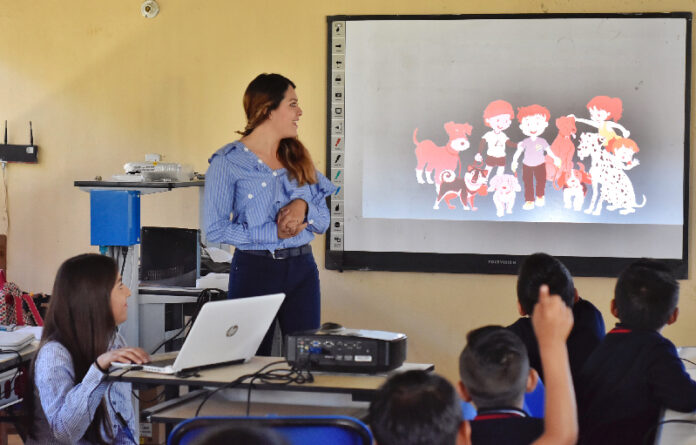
(334, 348)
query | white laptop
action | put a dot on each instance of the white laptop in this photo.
(224, 332)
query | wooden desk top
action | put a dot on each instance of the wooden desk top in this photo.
(359, 385)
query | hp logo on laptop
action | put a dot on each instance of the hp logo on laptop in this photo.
(232, 330)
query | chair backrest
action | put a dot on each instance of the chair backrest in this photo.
(309, 430)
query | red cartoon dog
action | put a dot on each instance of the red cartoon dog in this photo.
(434, 160)
(562, 147)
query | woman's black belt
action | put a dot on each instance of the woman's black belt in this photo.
(281, 254)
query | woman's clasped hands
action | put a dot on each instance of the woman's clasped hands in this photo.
(290, 219)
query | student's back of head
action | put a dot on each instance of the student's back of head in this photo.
(538, 269)
(494, 368)
(416, 408)
(646, 295)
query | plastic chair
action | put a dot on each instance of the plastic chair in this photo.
(533, 404)
(309, 430)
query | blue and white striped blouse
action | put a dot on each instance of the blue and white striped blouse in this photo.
(64, 409)
(238, 183)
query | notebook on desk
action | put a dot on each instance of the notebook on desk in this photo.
(224, 332)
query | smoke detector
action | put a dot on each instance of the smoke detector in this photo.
(149, 9)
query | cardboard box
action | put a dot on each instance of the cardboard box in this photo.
(151, 433)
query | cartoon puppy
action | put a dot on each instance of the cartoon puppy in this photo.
(506, 188)
(574, 187)
(435, 160)
(473, 183)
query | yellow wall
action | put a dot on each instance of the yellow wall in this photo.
(103, 86)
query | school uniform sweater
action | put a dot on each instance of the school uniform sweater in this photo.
(588, 330)
(631, 376)
(509, 426)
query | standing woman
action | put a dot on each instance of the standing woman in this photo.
(73, 403)
(277, 199)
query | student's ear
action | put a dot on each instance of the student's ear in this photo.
(674, 316)
(463, 392)
(577, 296)
(614, 311)
(464, 433)
(532, 380)
(520, 310)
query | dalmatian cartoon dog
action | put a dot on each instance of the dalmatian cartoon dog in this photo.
(608, 172)
(434, 160)
(506, 188)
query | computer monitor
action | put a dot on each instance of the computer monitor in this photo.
(169, 256)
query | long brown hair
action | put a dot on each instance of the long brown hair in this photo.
(263, 95)
(80, 318)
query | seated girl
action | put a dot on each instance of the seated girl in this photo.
(73, 402)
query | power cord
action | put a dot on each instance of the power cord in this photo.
(648, 435)
(13, 381)
(119, 416)
(239, 380)
(280, 377)
(688, 361)
(204, 296)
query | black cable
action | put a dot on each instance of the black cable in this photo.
(124, 252)
(204, 296)
(239, 380)
(119, 416)
(284, 376)
(13, 381)
(649, 433)
(687, 360)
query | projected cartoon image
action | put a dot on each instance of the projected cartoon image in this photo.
(434, 160)
(557, 168)
(533, 121)
(473, 183)
(563, 147)
(498, 115)
(574, 184)
(608, 171)
(506, 188)
(602, 108)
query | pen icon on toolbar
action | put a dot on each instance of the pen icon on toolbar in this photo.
(338, 141)
(337, 175)
(337, 190)
(337, 158)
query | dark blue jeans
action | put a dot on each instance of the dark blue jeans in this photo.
(297, 277)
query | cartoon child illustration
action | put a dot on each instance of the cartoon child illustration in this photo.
(603, 110)
(623, 150)
(498, 115)
(533, 121)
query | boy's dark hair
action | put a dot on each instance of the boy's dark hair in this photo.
(494, 367)
(538, 269)
(415, 408)
(646, 294)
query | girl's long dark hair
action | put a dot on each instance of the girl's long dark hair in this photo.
(79, 317)
(263, 95)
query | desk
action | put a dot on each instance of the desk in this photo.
(330, 393)
(680, 433)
